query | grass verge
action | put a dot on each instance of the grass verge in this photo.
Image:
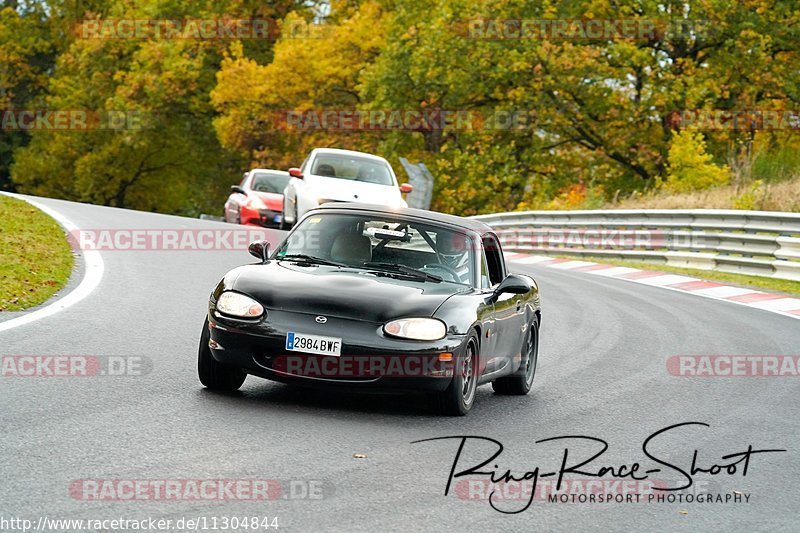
(742, 280)
(35, 257)
(762, 196)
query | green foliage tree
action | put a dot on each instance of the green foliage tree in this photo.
(25, 54)
(167, 156)
(595, 117)
(690, 167)
(315, 66)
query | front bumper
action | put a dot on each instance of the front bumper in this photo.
(263, 217)
(268, 217)
(369, 359)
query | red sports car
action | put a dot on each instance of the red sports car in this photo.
(258, 199)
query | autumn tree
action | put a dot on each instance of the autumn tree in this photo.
(166, 155)
(558, 118)
(316, 66)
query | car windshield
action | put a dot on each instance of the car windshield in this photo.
(389, 246)
(352, 168)
(266, 182)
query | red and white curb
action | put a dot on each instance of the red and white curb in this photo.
(775, 303)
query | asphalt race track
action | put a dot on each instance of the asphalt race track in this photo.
(602, 373)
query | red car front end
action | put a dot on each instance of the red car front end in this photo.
(261, 209)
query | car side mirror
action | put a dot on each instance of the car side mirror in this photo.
(406, 188)
(513, 284)
(260, 250)
(296, 173)
(237, 189)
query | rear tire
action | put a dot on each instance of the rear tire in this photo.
(211, 372)
(521, 382)
(459, 397)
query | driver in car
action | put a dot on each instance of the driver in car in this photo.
(453, 251)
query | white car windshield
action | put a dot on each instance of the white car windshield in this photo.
(352, 168)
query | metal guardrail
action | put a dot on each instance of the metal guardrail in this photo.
(760, 243)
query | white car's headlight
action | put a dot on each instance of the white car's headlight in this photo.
(235, 304)
(421, 329)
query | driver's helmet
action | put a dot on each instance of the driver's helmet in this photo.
(453, 249)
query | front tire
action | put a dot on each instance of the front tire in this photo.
(458, 398)
(521, 382)
(211, 372)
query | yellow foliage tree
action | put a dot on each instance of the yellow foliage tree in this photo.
(315, 66)
(690, 167)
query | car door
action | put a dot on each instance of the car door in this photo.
(509, 309)
(486, 315)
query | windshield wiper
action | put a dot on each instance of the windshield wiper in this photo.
(303, 258)
(402, 269)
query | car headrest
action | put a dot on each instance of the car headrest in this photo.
(351, 249)
(326, 170)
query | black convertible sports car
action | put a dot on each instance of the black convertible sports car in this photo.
(374, 298)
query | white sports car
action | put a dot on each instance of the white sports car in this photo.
(331, 175)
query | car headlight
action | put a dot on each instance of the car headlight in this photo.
(235, 304)
(421, 329)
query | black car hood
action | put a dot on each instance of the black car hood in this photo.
(345, 292)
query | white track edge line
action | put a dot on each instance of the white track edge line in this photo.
(93, 273)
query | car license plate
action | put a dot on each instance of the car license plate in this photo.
(300, 342)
